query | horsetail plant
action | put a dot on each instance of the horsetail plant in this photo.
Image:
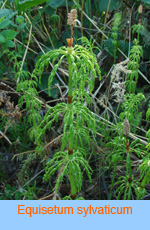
(120, 155)
(77, 118)
(136, 53)
(144, 177)
(114, 35)
(127, 182)
(144, 168)
(134, 59)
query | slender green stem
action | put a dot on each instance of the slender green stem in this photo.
(129, 165)
(71, 178)
(70, 95)
(71, 138)
(70, 71)
(71, 141)
(129, 170)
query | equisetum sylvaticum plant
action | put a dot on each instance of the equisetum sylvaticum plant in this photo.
(78, 120)
(122, 147)
(126, 183)
(114, 35)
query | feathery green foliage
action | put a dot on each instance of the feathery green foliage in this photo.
(144, 169)
(126, 187)
(136, 53)
(121, 161)
(77, 118)
(130, 108)
(148, 132)
(114, 35)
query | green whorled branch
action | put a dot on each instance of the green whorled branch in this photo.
(72, 165)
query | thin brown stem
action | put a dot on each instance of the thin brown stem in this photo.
(71, 32)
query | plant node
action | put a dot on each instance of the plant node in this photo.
(130, 180)
(70, 43)
(69, 99)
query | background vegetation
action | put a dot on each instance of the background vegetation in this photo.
(119, 152)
